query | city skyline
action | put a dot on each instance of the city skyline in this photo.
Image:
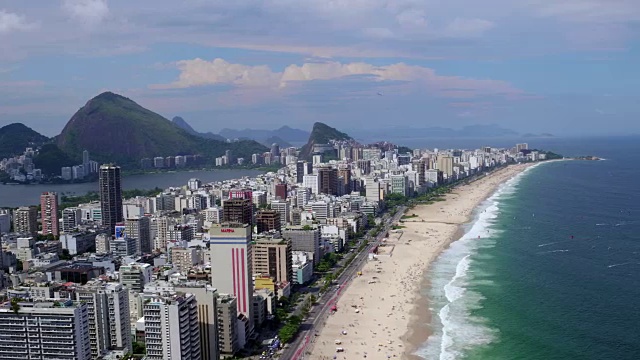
(563, 68)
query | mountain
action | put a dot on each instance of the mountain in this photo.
(321, 134)
(16, 137)
(285, 133)
(116, 129)
(181, 123)
(50, 159)
(277, 140)
(543, 135)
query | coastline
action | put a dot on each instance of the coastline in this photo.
(384, 311)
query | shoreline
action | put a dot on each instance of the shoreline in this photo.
(385, 311)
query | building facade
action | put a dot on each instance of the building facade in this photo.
(25, 220)
(110, 196)
(108, 310)
(171, 329)
(49, 213)
(268, 220)
(230, 251)
(45, 331)
(273, 257)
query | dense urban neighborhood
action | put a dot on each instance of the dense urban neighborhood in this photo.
(211, 270)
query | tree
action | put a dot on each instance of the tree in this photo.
(65, 255)
(15, 306)
(138, 348)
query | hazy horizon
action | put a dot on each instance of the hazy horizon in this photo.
(565, 67)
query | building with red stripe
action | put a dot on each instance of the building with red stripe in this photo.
(231, 269)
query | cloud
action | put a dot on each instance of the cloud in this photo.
(199, 72)
(10, 22)
(88, 12)
(404, 29)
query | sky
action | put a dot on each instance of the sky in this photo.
(566, 67)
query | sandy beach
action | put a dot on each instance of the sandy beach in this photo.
(382, 312)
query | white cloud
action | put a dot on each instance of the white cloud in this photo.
(89, 12)
(199, 72)
(10, 22)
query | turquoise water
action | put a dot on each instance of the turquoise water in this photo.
(556, 273)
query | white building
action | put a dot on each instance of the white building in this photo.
(171, 327)
(109, 324)
(311, 182)
(194, 184)
(71, 218)
(283, 208)
(45, 331)
(230, 249)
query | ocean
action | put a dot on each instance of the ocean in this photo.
(555, 273)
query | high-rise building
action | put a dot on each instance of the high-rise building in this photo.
(237, 211)
(520, 147)
(305, 239)
(372, 189)
(171, 329)
(345, 174)
(311, 182)
(207, 299)
(300, 172)
(140, 229)
(49, 213)
(281, 191)
(108, 310)
(45, 331)
(273, 258)
(110, 196)
(194, 184)
(275, 150)
(25, 220)
(268, 220)
(230, 249)
(241, 194)
(445, 164)
(228, 325)
(328, 180)
(71, 218)
(399, 185)
(282, 207)
(135, 276)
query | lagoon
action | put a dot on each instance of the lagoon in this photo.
(23, 195)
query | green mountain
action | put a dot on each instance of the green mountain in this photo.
(116, 129)
(321, 134)
(50, 159)
(14, 138)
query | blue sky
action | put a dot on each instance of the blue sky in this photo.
(563, 66)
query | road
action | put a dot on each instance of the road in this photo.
(313, 323)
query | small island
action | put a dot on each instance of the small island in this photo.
(588, 158)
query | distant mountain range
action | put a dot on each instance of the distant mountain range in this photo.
(181, 123)
(285, 133)
(116, 129)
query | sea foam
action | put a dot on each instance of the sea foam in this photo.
(452, 277)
